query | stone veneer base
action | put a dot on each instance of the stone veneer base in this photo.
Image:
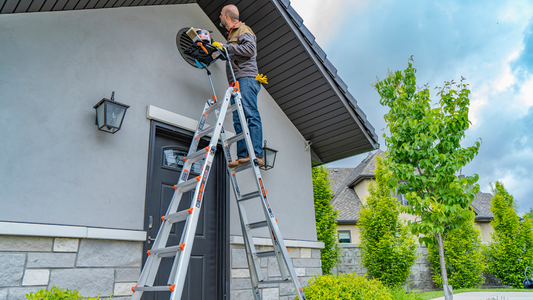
(92, 266)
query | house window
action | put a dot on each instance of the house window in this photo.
(344, 237)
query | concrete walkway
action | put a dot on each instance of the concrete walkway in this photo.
(491, 296)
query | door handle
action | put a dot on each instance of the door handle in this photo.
(150, 239)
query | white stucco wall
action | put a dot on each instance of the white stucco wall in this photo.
(57, 168)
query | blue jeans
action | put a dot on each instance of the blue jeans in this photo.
(249, 90)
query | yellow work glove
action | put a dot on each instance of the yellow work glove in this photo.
(218, 45)
(261, 78)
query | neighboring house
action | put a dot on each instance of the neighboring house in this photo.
(350, 188)
(80, 207)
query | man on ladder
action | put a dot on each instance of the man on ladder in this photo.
(242, 49)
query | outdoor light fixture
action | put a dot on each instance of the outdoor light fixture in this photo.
(269, 157)
(110, 114)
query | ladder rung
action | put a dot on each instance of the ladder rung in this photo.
(153, 288)
(214, 107)
(235, 138)
(178, 217)
(256, 225)
(206, 131)
(249, 196)
(167, 252)
(275, 281)
(265, 254)
(194, 157)
(187, 185)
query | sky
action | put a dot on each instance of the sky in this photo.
(490, 43)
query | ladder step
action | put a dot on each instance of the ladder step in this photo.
(242, 167)
(235, 138)
(256, 225)
(249, 196)
(153, 288)
(206, 131)
(262, 254)
(275, 281)
(196, 155)
(187, 185)
(167, 252)
(178, 217)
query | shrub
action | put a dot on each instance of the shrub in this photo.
(326, 219)
(388, 249)
(463, 256)
(345, 287)
(511, 249)
(58, 294)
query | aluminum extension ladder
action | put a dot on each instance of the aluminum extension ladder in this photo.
(182, 252)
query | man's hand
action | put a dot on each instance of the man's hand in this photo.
(218, 45)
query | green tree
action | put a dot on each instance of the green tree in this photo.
(529, 214)
(463, 256)
(511, 249)
(388, 249)
(424, 151)
(326, 219)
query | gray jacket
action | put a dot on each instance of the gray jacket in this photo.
(242, 50)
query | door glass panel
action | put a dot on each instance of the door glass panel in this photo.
(173, 158)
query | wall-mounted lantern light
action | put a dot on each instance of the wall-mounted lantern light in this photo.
(269, 157)
(110, 114)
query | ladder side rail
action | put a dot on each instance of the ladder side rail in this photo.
(252, 259)
(249, 247)
(148, 274)
(187, 237)
(151, 266)
(276, 234)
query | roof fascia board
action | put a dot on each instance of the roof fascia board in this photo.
(347, 222)
(359, 179)
(321, 64)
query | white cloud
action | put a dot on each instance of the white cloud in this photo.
(324, 18)
(516, 11)
(524, 99)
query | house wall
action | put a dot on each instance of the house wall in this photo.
(486, 230)
(362, 189)
(61, 178)
(57, 168)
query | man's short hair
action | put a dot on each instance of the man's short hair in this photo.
(232, 12)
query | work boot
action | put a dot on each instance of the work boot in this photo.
(242, 161)
(247, 159)
(233, 164)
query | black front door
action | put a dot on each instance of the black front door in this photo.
(207, 272)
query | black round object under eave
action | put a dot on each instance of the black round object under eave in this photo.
(183, 41)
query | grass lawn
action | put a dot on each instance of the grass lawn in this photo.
(437, 294)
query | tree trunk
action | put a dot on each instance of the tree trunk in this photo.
(448, 291)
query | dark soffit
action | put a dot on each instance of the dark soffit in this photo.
(302, 80)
